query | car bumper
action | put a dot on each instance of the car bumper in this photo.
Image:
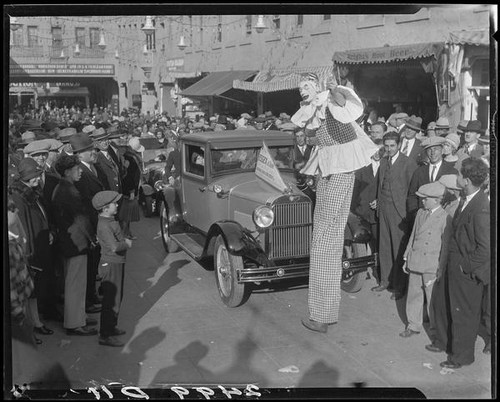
(279, 272)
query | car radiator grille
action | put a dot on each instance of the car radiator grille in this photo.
(290, 234)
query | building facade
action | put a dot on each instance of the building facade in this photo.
(435, 62)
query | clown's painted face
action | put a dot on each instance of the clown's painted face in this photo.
(308, 90)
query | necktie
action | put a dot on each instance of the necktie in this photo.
(466, 149)
(405, 147)
(433, 173)
(93, 169)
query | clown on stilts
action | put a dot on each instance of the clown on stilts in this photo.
(342, 148)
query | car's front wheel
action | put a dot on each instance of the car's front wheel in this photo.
(354, 283)
(226, 266)
(169, 245)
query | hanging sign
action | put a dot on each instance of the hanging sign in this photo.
(24, 70)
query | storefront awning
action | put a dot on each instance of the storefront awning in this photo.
(281, 79)
(389, 53)
(476, 37)
(170, 77)
(23, 90)
(216, 83)
(63, 92)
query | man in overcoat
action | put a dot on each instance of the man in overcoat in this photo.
(88, 186)
(469, 262)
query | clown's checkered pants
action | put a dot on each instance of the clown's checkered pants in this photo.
(333, 200)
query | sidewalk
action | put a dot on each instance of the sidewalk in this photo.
(179, 332)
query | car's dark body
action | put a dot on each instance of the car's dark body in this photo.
(212, 215)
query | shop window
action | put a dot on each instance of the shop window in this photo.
(80, 36)
(276, 21)
(56, 37)
(17, 37)
(300, 20)
(94, 37)
(249, 25)
(219, 30)
(32, 36)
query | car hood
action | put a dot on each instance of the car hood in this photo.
(252, 188)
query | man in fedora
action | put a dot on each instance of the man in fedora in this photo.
(107, 169)
(437, 167)
(88, 186)
(471, 146)
(442, 127)
(411, 146)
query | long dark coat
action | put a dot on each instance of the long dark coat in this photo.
(72, 221)
(34, 219)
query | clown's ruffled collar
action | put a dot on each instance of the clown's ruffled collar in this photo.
(311, 113)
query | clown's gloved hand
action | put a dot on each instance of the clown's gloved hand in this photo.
(338, 97)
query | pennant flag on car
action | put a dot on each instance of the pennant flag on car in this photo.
(266, 169)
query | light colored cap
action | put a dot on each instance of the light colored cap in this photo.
(449, 181)
(36, 147)
(431, 190)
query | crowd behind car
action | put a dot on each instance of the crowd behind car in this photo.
(108, 146)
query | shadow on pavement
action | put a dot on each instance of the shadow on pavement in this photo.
(146, 297)
(318, 375)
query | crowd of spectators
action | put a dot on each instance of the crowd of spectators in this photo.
(50, 147)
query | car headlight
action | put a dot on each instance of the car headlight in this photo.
(263, 216)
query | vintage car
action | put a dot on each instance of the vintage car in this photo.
(253, 231)
(153, 159)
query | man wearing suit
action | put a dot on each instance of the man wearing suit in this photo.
(301, 150)
(364, 194)
(433, 147)
(89, 185)
(395, 173)
(411, 146)
(107, 169)
(469, 261)
(471, 147)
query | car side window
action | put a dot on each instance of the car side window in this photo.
(195, 160)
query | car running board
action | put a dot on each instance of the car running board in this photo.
(190, 243)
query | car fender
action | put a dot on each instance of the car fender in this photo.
(357, 229)
(239, 241)
(147, 190)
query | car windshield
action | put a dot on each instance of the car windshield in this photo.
(227, 160)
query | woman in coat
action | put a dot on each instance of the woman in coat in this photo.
(33, 219)
(129, 210)
(73, 241)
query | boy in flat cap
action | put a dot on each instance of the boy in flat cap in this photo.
(114, 248)
(425, 255)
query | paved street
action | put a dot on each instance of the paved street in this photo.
(179, 332)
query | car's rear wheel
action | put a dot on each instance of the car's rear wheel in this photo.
(354, 283)
(169, 245)
(226, 266)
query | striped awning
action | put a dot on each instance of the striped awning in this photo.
(216, 83)
(387, 54)
(476, 37)
(281, 79)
